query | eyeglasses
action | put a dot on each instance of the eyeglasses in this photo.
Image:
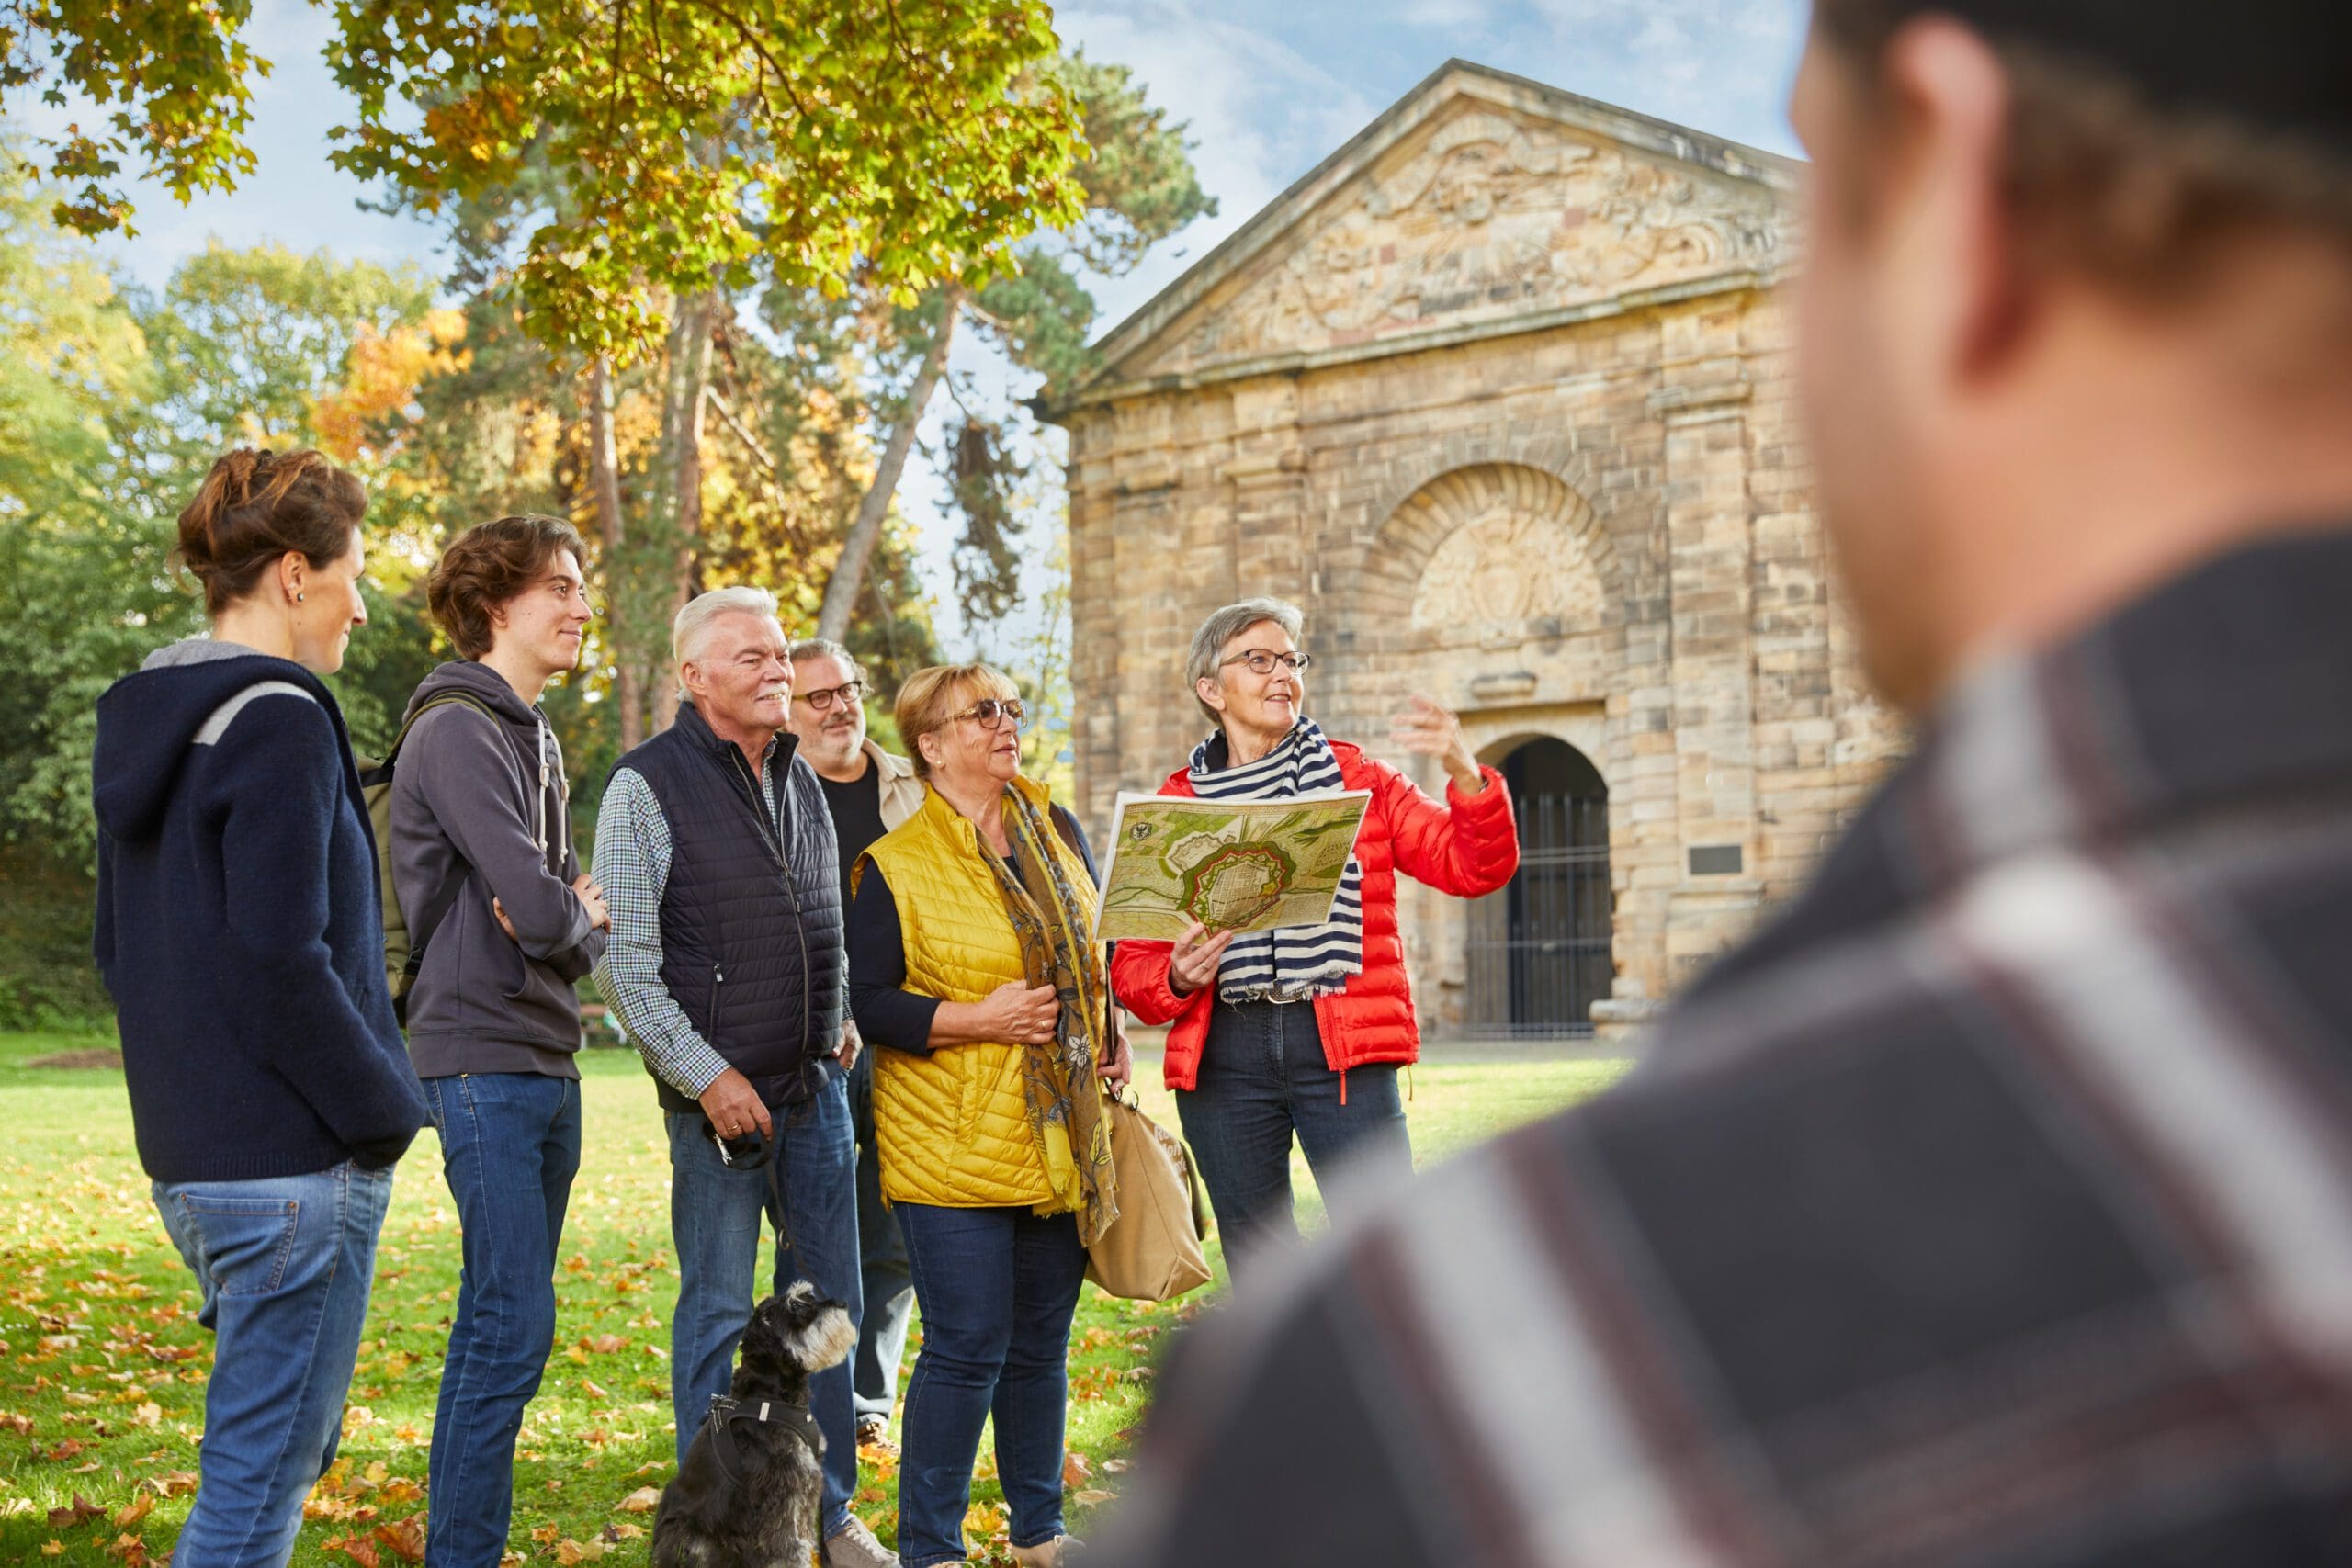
(1261, 662)
(992, 712)
(848, 695)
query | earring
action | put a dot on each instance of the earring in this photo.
(297, 598)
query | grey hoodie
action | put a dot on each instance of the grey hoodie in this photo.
(493, 799)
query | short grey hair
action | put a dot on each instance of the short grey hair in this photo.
(1223, 627)
(826, 647)
(696, 615)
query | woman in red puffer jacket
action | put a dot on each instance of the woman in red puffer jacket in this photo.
(1300, 1032)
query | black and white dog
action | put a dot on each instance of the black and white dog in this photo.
(746, 1496)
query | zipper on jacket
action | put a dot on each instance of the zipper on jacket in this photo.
(772, 834)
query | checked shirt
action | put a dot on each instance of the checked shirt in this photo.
(1993, 1206)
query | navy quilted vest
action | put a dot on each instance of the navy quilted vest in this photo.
(752, 915)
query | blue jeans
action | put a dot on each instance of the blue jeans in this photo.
(998, 1289)
(888, 1288)
(510, 1146)
(1263, 1079)
(714, 1220)
(285, 1264)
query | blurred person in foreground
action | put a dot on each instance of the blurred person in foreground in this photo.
(1993, 1206)
(869, 790)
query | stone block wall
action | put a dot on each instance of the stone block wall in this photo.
(1634, 567)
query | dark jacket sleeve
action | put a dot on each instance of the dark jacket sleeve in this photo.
(278, 789)
(887, 1013)
(461, 766)
(580, 958)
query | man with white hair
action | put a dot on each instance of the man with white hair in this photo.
(869, 792)
(726, 966)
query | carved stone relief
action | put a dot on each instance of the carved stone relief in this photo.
(1511, 562)
(1490, 216)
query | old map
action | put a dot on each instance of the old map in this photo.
(1230, 864)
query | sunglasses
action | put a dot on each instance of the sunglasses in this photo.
(992, 712)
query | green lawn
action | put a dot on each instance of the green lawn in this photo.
(102, 1396)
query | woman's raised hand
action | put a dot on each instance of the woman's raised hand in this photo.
(1021, 1015)
(1433, 730)
(1192, 962)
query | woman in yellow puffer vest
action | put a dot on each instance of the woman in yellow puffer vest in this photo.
(973, 972)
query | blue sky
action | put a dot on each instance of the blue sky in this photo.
(1269, 87)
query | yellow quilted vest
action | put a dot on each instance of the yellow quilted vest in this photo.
(952, 1126)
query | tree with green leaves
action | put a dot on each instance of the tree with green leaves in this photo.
(1140, 188)
(702, 143)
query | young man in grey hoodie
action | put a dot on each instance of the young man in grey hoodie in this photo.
(483, 865)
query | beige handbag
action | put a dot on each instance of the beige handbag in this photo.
(1152, 1252)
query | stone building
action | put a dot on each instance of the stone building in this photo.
(1500, 394)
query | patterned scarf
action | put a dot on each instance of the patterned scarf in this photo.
(1288, 964)
(1060, 1086)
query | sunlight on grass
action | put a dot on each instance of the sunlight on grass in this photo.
(103, 1397)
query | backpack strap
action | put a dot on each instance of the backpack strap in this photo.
(437, 909)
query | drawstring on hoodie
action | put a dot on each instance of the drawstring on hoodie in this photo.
(539, 802)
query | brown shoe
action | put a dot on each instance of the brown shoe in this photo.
(1062, 1551)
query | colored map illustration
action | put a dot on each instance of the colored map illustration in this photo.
(1231, 864)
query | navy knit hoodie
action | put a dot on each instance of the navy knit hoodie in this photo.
(239, 925)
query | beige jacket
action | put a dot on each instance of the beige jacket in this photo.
(902, 790)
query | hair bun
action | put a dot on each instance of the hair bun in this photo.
(253, 506)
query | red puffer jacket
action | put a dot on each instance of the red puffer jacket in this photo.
(1466, 847)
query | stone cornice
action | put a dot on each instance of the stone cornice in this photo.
(1442, 91)
(1097, 394)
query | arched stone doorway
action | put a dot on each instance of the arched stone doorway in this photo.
(1539, 950)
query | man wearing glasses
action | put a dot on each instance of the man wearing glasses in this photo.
(869, 792)
(1298, 1033)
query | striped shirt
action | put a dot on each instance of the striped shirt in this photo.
(1993, 1206)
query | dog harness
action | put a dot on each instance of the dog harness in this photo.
(726, 1410)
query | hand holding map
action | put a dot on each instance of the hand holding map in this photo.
(1244, 865)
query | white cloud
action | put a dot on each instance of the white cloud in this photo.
(1262, 111)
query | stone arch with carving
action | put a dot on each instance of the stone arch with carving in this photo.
(1553, 455)
(1493, 554)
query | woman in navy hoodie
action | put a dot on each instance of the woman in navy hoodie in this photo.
(239, 928)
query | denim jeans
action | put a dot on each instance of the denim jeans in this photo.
(1263, 1079)
(715, 1222)
(998, 1287)
(285, 1263)
(886, 1286)
(510, 1146)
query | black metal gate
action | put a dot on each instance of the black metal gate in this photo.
(1539, 953)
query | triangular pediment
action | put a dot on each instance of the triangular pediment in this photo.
(1480, 202)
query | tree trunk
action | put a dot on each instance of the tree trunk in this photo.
(604, 490)
(675, 542)
(865, 531)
